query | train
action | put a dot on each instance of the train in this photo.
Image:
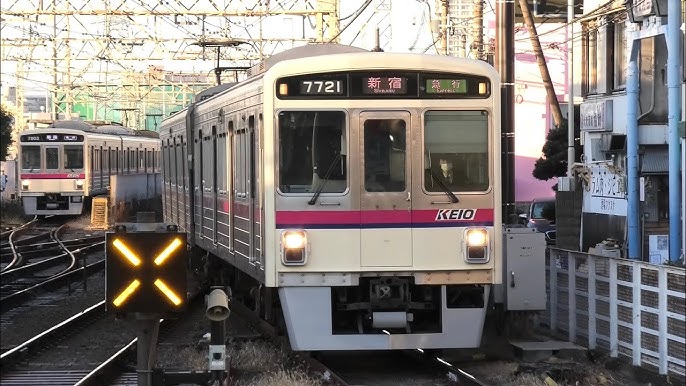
(352, 198)
(64, 165)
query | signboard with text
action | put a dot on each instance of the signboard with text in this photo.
(607, 193)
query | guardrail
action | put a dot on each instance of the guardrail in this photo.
(631, 308)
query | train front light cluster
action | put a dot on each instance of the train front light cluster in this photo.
(25, 185)
(294, 247)
(78, 184)
(476, 245)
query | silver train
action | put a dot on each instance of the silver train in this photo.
(62, 166)
(352, 198)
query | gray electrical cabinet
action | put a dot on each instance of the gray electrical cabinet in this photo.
(524, 276)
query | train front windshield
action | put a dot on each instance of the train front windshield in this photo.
(52, 157)
(312, 147)
(456, 150)
(30, 157)
(73, 157)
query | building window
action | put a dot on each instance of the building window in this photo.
(591, 73)
(619, 53)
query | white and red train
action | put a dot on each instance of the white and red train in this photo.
(64, 165)
(355, 194)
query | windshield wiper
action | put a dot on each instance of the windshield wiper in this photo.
(326, 178)
(447, 190)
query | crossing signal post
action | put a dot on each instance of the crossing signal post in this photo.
(145, 280)
(145, 269)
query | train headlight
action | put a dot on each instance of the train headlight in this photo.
(476, 240)
(294, 247)
(25, 184)
(79, 184)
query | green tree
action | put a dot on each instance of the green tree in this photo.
(6, 123)
(553, 163)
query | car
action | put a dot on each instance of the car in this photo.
(542, 215)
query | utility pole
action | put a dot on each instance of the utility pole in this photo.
(504, 60)
(570, 86)
(55, 104)
(478, 30)
(442, 27)
(540, 59)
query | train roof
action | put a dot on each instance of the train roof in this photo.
(305, 51)
(100, 128)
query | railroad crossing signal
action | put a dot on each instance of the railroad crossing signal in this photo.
(145, 272)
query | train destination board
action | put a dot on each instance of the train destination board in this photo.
(446, 86)
(52, 138)
(384, 85)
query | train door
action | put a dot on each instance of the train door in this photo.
(231, 184)
(199, 184)
(213, 186)
(184, 191)
(250, 158)
(52, 160)
(91, 168)
(385, 200)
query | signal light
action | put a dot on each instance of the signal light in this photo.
(145, 272)
(126, 293)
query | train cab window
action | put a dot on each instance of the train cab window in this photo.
(73, 157)
(384, 155)
(456, 150)
(312, 151)
(52, 158)
(30, 157)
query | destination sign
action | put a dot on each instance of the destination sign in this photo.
(384, 85)
(446, 86)
(51, 138)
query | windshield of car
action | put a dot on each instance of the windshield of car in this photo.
(543, 210)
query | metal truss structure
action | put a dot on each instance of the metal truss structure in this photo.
(133, 61)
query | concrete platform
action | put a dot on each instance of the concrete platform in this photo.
(534, 351)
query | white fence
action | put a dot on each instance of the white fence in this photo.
(630, 308)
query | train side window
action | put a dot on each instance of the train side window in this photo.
(212, 175)
(117, 154)
(96, 160)
(178, 151)
(165, 168)
(456, 150)
(238, 162)
(30, 157)
(106, 160)
(172, 162)
(221, 162)
(184, 153)
(73, 157)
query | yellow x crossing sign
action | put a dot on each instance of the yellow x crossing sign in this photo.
(145, 272)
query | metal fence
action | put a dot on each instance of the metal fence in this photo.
(631, 308)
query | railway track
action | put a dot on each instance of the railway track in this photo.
(373, 368)
(21, 280)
